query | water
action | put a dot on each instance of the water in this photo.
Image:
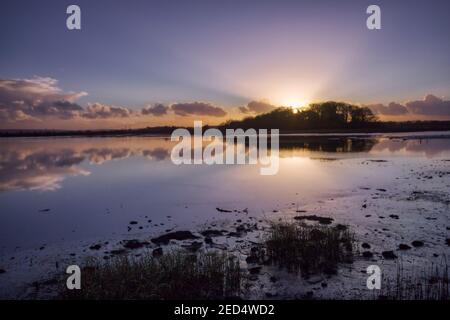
(60, 196)
(71, 189)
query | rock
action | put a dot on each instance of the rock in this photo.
(223, 210)
(134, 244)
(341, 227)
(364, 205)
(133, 222)
(394, 216)
(447, 241)
(330, 271)
(365, 245)
(158, 252)
(177, 235)
(253, 277)
(45, 210)
(271, 294)
(321, 220)
(117, 251)
(242, 228)
(367, 254)
(95, 247)
(2, 271)
(403, 246)
(211, 233)
(273, 279)
(252, 259)
(254, 270)
(389, 255)
(315, 279)
(382, 190)
(417, 243)
(193, 247)
(235, 234)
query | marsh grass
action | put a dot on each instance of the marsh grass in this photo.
(427, 283)
(309, 249)
(175, 275)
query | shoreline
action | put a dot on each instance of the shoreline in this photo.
(407, 134)
(376, 128)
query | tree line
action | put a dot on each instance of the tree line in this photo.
(325, 115)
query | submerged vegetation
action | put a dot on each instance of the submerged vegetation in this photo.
(309, 249)
(175, 275)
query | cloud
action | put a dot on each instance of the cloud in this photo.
(197, 108)
(31, 99)
(244, 110)
(157, 110)
(429, 106)
(391, 109)
(157, 154)
(102, 111)
(257, 107)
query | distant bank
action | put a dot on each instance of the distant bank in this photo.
(378, 127)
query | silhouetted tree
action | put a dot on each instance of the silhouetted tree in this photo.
(326, 115)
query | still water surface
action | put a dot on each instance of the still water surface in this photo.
(55, 190)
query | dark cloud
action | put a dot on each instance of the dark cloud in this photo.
(197, 108)
(39, 98)
(102, 111)
(429, 106)
(244, 110)
(157, 154)
(157, 110)
(31, 99)
(392, 109)
(257, 107)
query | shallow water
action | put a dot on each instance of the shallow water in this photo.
(60, 189)
(59, 196)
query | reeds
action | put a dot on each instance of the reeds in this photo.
(175, 275)
(425, 283)
(309, 249)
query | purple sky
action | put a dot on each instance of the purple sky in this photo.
(134, 54)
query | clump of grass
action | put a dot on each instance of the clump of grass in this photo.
(429, 283)
(309, 249)
(175, 275)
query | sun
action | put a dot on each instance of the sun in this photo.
(296, 105)
(295, 102)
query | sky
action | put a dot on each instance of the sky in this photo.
(144, 63)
